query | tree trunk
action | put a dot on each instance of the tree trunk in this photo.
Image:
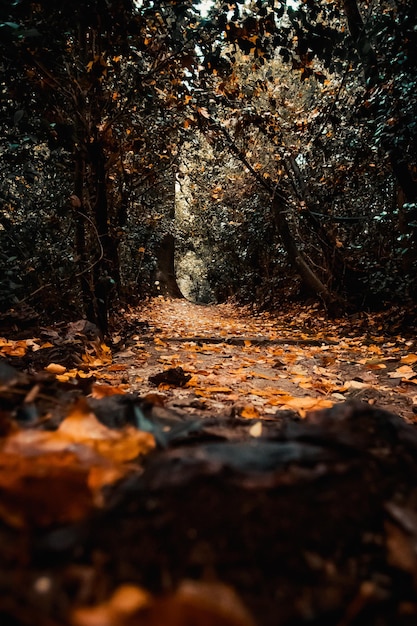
(342, 277)
(80, 239)
(297, 260)
(166, 267)
(106, 270)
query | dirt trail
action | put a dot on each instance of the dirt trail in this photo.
(257, 365)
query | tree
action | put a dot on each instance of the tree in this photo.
(338, 142)
(305, 98)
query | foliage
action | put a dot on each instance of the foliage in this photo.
(105, 104)
(101, 84)
(324, 138)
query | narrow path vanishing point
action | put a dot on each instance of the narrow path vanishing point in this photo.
(256, 366)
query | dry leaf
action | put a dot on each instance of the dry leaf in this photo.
(104, 391)
(403, 372)
(55, 368)
(13, 348)
(249, 412)
(409, 359)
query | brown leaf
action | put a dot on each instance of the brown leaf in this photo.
(42, 490)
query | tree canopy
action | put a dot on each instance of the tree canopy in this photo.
(271, 144)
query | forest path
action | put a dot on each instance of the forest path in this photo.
(237, 363)
(107, 497)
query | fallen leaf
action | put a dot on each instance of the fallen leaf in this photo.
(55, 368)
(219, 389)
(82, 426)
(13, 348)
(409, 359)
(249, 412)
(43, 489)
(103, 391)
(404, 372)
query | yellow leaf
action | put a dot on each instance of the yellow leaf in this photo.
(13, 348)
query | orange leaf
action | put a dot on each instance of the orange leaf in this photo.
(219, 389)
(409, 359)
(403, 372)
(249, 412)
(55, 368)
(103, 391)
(13, 348)
(117, 367)
(263, 376)
(43, 490)
(193, 382)
(308, 403)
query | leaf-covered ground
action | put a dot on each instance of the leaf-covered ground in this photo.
(209, 466)
(254, 366)
(233, 362)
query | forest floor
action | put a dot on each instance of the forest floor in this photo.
(248, 365)
(208, 465)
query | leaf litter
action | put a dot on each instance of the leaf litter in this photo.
(183, 448)
(269, 362)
